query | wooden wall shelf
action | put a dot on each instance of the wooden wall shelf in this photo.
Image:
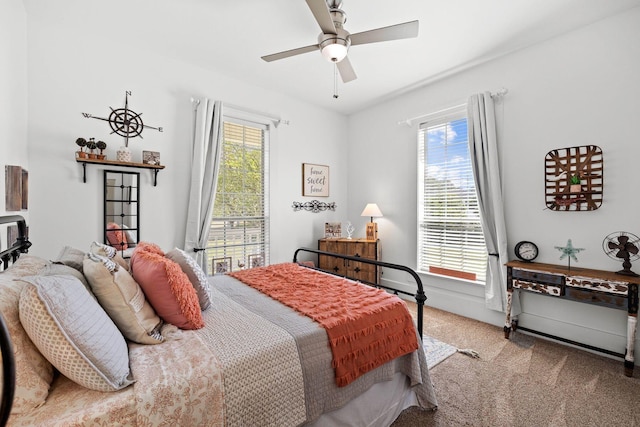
(154, 168)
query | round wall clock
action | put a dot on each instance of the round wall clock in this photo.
(526, 251)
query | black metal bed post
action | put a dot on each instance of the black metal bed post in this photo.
(419, 296)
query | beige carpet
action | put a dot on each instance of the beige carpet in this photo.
(524, 381)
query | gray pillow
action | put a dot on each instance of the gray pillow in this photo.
(74, 333)
(54, 269)
(195, 274)
(71, 257)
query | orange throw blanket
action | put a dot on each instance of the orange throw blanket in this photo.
(366, 326)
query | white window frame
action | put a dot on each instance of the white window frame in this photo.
(250, 255)
(457, 256)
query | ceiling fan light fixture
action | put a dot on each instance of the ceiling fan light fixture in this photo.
(334, 52)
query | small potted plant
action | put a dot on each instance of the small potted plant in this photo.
(91, 145)
(81, 142)
(575, 185)
(101, 146)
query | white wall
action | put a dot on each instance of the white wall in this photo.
(80, 61)
(13, 95)
(578, 89)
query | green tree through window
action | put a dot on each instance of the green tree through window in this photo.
(239, 227)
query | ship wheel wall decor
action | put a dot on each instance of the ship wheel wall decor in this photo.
(124, 121)
(574, 178)
(622, 246)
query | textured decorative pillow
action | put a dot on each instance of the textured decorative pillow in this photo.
(108, 252)
(150, 247)
(123, 300)
(71, 257)
(116, 236)
(34, 373)
(195, 274)
(167, 288)
(74, 333)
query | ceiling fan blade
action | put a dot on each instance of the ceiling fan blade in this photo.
(292, 52)
(321, 12)
(393, 32)
(346, 70)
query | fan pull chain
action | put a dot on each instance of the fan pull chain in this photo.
(335, 80)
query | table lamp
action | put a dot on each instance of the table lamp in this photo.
(372, 210)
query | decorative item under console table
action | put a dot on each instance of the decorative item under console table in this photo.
(603, 288)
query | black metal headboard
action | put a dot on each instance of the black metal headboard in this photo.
(21, 246)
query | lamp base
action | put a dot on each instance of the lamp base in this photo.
(372, 231)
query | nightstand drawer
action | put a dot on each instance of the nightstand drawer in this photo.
(540, 288)
(597, 298)
(536, 276)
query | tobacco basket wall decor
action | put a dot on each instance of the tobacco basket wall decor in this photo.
(574, 178)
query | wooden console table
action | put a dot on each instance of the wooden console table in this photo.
(603, 288)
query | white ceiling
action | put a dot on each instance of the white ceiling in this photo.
(231, 36)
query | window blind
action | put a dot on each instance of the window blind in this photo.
(239, 234)
(450, 238)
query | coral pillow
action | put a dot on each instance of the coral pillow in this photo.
(167, 288)
(150, 247)
(116, 236)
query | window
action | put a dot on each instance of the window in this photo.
(239, 235)
(450, 238)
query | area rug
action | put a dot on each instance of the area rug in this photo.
(436, 351)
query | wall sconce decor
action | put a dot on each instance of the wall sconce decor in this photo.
(372, 210)
(314, 206)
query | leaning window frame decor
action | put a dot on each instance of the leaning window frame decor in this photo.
(448, 245)
(225, 223)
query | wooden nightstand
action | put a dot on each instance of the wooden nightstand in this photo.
(364, 248)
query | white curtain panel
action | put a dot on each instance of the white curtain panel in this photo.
(207, 146)
(483, 148)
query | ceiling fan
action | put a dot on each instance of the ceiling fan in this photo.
(334, 41)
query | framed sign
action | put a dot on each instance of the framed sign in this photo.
(315, 180)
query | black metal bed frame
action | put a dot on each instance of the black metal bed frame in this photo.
(21, 246)
(419, 296)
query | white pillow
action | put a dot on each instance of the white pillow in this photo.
(195, 274)
(74, 333)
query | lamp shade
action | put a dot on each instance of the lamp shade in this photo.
(371, 210)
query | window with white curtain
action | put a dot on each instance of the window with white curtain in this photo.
(239, 236)
(450, 238)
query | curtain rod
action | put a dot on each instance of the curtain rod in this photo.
(276, 120)
(409, 122)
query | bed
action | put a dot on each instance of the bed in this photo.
(256, 361)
